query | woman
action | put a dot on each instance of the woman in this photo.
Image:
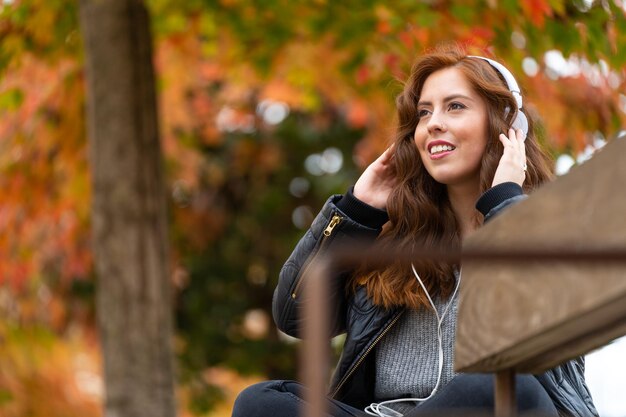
(463, 151)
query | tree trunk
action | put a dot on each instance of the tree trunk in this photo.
(128, 210)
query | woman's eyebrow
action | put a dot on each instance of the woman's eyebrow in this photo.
(446, 99)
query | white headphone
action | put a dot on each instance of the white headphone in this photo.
(520, 122)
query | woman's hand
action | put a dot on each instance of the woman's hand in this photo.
(375, 184)
(512, 166)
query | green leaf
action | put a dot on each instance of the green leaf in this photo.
(11, 99)
(5, 397)
(464, 12)
(565, 36)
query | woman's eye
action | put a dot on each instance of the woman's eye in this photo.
(422, 113)
(456, 106)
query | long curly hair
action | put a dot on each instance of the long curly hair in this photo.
(419, 210)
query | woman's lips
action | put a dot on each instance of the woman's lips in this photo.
(440, 149)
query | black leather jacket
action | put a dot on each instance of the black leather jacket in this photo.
(354, 377)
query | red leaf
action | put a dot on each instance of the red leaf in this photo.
(536, 11)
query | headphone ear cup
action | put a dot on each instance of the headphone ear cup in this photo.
(521, 122)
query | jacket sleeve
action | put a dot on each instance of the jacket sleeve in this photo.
(340, 222)
(497, 198)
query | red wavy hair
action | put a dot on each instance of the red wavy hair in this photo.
(419, 209)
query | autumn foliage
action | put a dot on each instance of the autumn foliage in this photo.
(247, 92)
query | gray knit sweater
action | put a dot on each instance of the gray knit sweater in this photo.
(407, 358)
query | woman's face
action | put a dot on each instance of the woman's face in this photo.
(451, 135)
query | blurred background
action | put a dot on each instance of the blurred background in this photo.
(265, 109)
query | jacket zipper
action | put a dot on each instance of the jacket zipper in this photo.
(362, 358)
(334, 221)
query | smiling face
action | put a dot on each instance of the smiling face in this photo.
(451, 135)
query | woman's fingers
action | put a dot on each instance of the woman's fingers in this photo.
(377, 181)
(387, 156)
(512, 166)
(515, 143)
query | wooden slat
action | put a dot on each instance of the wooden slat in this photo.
(505, 396)
(532, 319)
(314, 356)
(532, 316)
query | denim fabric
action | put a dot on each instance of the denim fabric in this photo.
(473, 394)
(282, 399)
(465, 395)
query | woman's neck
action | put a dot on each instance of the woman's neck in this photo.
(463, 202)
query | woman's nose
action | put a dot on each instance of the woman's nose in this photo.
(435, 122)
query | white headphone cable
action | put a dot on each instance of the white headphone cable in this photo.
(380, 409)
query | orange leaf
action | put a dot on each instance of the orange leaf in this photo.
(536, 11)
(357, 114)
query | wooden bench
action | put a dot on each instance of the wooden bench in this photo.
(561, 292)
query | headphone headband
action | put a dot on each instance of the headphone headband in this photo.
(508, 77)
(521, 121)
